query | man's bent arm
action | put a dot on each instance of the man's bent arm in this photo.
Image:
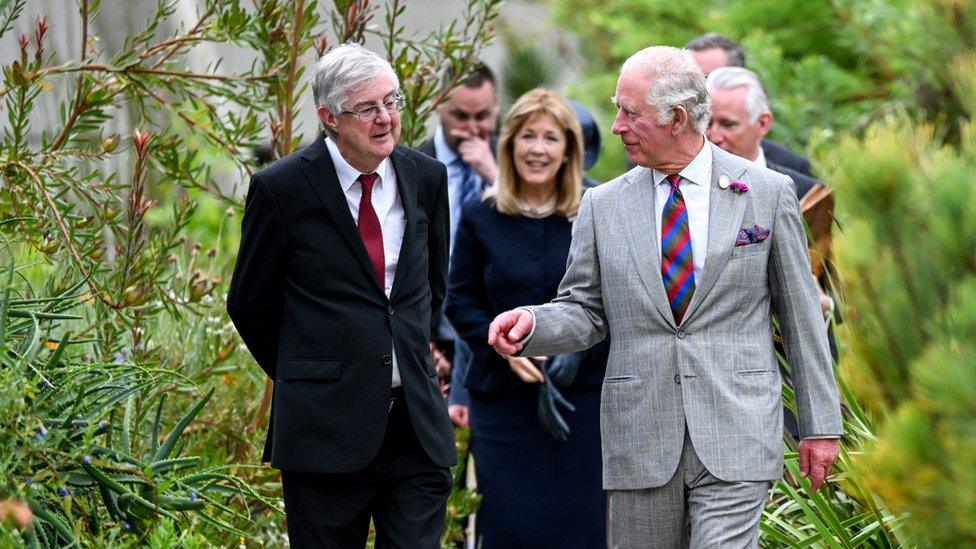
(575, 319)
(254, 300)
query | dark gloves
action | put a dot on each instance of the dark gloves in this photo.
(550, 418)
(562, 368)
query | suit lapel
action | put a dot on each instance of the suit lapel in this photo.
(406, 175)
(636, 203)
(725, 211)
(320, 174)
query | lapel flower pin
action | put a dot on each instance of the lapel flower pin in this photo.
(739, 186)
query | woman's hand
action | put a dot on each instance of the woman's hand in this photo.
(525, 369)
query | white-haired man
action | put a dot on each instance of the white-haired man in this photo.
(741, 118)
(343, 257)
(683, 260)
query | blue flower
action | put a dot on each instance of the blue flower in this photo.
(41, 434)
(126, 526)
(86, 459)
(194, 496)
(63, 492)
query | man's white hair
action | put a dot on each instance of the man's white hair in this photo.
(345, 69)
(675, 80)
(727, 78)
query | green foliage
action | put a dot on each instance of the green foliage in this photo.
(826, 64)
(134, 230)
(85, 442)
(907, 255)
(526, 67)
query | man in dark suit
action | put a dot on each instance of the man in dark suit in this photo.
(464, 141)
(343, 258)
(712, 51)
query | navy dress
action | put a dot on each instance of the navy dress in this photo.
(538, 492)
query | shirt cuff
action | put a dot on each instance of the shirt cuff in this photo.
(527, 336)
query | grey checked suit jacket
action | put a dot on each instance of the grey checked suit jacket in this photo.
(716, 372)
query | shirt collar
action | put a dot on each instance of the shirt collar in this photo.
(444, 152)
(346, 173)
(698, 171)
(761, 159)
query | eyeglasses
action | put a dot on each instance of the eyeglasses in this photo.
(367, 114)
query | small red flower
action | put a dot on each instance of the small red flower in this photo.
(739, 186)
(321, 44)
(140, 138)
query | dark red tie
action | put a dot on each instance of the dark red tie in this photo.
(369, 228)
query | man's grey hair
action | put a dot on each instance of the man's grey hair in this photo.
(734, 55)
(727, 78)
(345, 69)
(674, 79)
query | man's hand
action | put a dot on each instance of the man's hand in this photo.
(817, 455)
(459, 414)
(441, 363)
(476, 152)
(508, 329)
(526, 369)
(826, 302)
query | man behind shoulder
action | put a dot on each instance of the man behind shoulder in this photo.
(684, 260)
(713, 51)
(343, 258)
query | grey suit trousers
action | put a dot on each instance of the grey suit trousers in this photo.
(694, 509)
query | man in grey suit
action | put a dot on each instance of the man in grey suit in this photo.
(684, 260)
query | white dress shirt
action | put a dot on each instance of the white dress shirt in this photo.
(389, 211)
(696, 182)
(455, 176)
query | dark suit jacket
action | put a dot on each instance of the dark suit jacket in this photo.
(802, 182)
(781, 156)
(306, 301)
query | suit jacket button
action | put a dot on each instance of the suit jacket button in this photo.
(390, 310)
(677, 378)
(681, 334)
(387, 360)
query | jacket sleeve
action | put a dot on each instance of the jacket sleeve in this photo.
(438, 244)
(254, 301)
(794, 302)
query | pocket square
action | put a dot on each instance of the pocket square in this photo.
(755, 235)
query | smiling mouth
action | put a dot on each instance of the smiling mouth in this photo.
(536, 164)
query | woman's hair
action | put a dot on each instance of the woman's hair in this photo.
(569, 178)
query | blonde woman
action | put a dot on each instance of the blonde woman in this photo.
(535, 422)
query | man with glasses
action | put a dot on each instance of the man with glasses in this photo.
(465, 142)
(343, 258)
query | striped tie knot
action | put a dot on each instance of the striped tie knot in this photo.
(677, 265)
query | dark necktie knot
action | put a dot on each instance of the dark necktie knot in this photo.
(674, 180)
(367, 180)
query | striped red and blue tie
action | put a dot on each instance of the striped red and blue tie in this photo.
(677, 267)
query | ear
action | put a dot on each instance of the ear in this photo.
(765, 123)
(681, 121)
(328, 119)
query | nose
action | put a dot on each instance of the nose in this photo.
(618, 123)
(471, 126)
(383, 117)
